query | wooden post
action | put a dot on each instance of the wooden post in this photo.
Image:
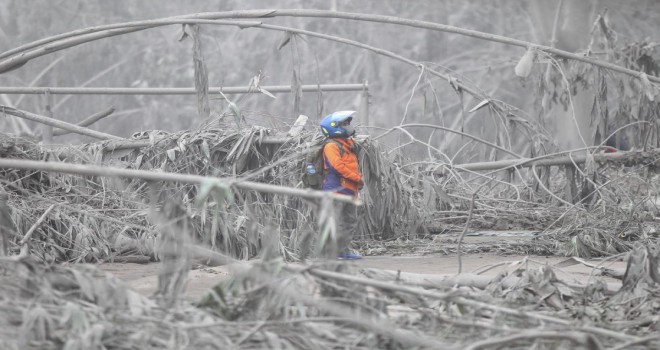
(546, 176)
(47, 130)
(571, 188)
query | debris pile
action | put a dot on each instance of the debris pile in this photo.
(271, 304)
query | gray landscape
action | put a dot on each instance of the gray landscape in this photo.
(287, 174)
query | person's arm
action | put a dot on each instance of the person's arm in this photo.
(332, 154)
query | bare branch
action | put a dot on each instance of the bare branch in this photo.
(91, 170)
(57, 123)
(95, 33)
(23, 242)
(87, 121)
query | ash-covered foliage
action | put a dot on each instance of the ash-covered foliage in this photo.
(99, 218)
(274, 305)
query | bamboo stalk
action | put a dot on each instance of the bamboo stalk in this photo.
(116, 145)
(23, 243)
(91, 34)
(57, 123)
(201, 74)
(87, 121)
(94, 33)
(377, 50)
(452, 131)
(91, 170)
(560, 160)
(174, 91)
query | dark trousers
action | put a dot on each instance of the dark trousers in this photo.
(346, 221)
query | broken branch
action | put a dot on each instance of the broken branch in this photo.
(87, 121)
(57, 123)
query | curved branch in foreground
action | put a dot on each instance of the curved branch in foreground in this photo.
(18, 56)
(52, 44)
(91, 170)
(95, 36)
(118, 29)
(454, 131)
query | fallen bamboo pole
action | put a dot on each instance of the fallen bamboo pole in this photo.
(91, 170)
(117, 145)
(36, 90)
(57, 123)
(116, 142)
(87, 121)
(560, 160)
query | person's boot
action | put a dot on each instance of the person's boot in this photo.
(348, 256)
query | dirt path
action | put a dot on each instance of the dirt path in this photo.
(144, 278)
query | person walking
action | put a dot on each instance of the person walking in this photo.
(342, 175)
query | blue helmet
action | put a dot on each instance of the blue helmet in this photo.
(330, 124)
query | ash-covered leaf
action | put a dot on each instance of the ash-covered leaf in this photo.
(285, 40)
(647, 86)
(479, 105)
(138, 161)
(184, 33)
(171, 154)
(74, 318)
(234, 108)
(206, 149)
(524, 66)
(267, 93)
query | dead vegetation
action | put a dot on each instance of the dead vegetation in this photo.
(271, 304)
(98, 218)
(229, 191)
(277, 305)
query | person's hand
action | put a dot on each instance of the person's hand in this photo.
(360, 184)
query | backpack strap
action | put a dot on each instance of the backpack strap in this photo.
(339, 144)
